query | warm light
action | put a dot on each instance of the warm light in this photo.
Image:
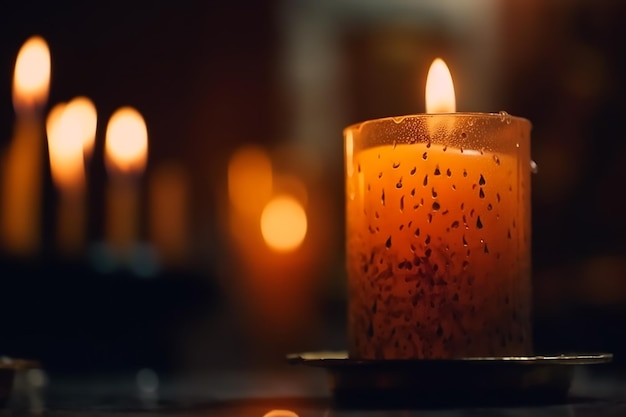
(83, 114)
(439, 89)
(31, 80)
(249, 179)
(65, 148)
(280, 413)
(283, 223)
(126, 144)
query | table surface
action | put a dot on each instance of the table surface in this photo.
(299, 390)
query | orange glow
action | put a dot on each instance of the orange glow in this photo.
(31, 80)
(283, 224)
(440, 96)
(65, 147)
(84, 115)
(126, 144)
(280, 413)
(249, 179)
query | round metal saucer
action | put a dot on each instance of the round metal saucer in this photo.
(449, 382)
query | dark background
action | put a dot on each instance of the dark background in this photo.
(211, 76)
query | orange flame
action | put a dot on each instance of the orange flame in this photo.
(283, 223)
(65, 148)
(440, 96)
(31, 80)
(126, 143)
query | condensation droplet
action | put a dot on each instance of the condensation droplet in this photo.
(399, 183)
(425, 180)
(429, 218)
(413, 192)
(437, 171)
(388, 242)
(534, 168)
(448, 172)
(481, 180)
(434, 193)
(455, 224)
(481, 193)
(489, 207)
(464, 172)
(395, 165)
(382, 197)
(427, 240)
(425, 155)
(436, 206)
(498, 197)
(402, 203)
(376, 214)
(486, 248)
(380, 175)
(464, 241)
(413, 171)
(463, 135)
(417, 231)
(479, 223)
(496, 160)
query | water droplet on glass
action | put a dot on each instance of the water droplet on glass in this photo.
(533, 167)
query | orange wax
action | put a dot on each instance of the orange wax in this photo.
(438, 252)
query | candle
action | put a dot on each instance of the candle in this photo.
(71, 132)
(126, 150)
(438, 234)
(20, 221)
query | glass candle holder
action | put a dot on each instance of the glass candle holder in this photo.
(438, 236)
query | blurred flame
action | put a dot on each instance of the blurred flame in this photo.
(440, 96)
(280, 413)
(249, 179)
(65, 147)
(84, 115)
(31, 80)
(283, 223)
(126, 143)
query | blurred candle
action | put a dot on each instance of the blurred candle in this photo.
(22, 176)
(168, 215)
(71, 131)
(126, 151)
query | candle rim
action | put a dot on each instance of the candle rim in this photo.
(400, 119)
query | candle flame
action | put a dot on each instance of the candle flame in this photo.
(440, 96)
(283, 223)
(126, 143)
(31, 80)
(83, 113)
(65, 148)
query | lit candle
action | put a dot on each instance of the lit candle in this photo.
(126, 151)
(438, 232)
(22, 176)
(71, 132)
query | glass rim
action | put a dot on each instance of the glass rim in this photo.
(400, 119)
